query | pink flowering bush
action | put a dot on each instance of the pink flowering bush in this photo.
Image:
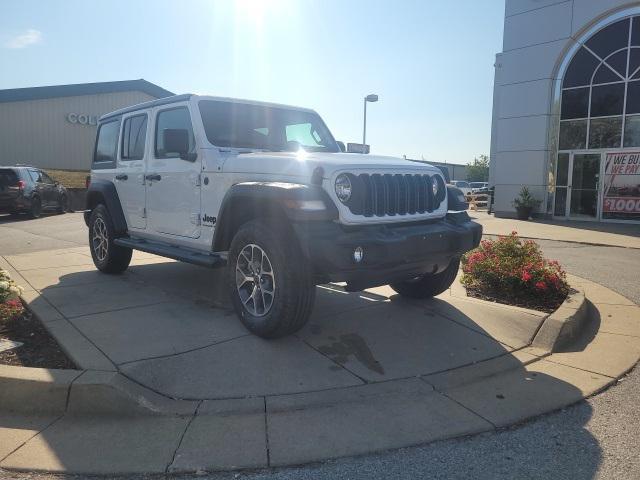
(10, 305)
(510, 270)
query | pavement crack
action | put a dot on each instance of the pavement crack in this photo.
(68, 399)
(362, 379)
(493, 425)
(168, 355)
(184, 432)
(266, 432)
(55, 420)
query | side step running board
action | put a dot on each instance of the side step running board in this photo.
(211, 260)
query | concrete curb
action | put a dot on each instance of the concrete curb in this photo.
(563, 326)
(35, 390)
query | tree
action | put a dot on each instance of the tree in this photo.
(478, 170)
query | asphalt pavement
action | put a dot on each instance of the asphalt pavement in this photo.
(594, 439)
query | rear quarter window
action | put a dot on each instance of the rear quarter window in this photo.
(104, 155)
(8, 178)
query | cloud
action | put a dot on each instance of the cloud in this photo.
(28, 37)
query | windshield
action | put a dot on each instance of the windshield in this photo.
(462, 185)
(478, 184)
(239, 125)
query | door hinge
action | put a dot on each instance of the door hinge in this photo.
(198, 180)
(144, 212)
(195, 218)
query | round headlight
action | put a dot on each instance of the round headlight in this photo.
(343, 187)
(435, 186)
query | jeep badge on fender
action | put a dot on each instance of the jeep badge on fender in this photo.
(290, 209)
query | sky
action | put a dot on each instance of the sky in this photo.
(430, 61)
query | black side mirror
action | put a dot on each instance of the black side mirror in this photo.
(176, 140)
(341, 146)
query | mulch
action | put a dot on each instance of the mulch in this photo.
(39, 350)
(543, 304)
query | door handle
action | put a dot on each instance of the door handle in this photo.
(153, 176)
(122, 176)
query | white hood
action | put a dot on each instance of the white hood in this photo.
(303, 164)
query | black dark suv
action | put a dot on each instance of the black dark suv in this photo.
(30, 190)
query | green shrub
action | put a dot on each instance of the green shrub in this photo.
(513, 271)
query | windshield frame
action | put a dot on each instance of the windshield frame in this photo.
(332, 146)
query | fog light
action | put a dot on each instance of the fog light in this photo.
(358, 254)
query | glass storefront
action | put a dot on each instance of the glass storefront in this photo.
(597, 169)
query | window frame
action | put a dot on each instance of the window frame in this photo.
(155, 133)
(121, 156)
(106, 164)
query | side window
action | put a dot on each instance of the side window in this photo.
(176, 118)
(46, 179)
(107, 143)
(134, 134)
(35, 175)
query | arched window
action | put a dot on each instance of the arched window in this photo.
(601, 90)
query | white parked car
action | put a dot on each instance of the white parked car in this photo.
(462, 185)
(476, 186)
(265, 191)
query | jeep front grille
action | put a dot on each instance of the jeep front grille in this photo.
(393, 194)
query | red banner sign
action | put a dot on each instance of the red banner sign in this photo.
(622, 185)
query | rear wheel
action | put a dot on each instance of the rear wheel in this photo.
(36, 208)
(107, 256)
(428, 286)
(64, 204)
(269, 280)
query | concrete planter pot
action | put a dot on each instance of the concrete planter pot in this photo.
(524, 212)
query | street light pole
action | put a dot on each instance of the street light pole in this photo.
(369, 98)
(364, 128)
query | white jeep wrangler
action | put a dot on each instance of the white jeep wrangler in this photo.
(265, 191)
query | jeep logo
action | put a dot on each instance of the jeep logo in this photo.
(208, 219)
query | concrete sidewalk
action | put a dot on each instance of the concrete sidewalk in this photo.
(592, 233)
(370, 371)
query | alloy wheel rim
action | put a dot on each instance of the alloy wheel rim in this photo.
(100, 240)
(255, 280)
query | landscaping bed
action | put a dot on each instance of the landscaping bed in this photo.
(34, 346)
(514, 272)
(69, 178)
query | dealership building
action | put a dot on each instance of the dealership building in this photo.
(55, 127)
(566, 109)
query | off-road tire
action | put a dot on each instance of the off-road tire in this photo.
(428, 286)
(107, 257)
(36, 208)
(294, 291)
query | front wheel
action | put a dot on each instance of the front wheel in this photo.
(269, 280)
(427, 285)
(107, 256)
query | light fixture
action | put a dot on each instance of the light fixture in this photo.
(343, 187)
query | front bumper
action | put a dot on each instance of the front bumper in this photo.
(391, 252)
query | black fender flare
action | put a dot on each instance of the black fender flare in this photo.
(104, 191)
(249, 200)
